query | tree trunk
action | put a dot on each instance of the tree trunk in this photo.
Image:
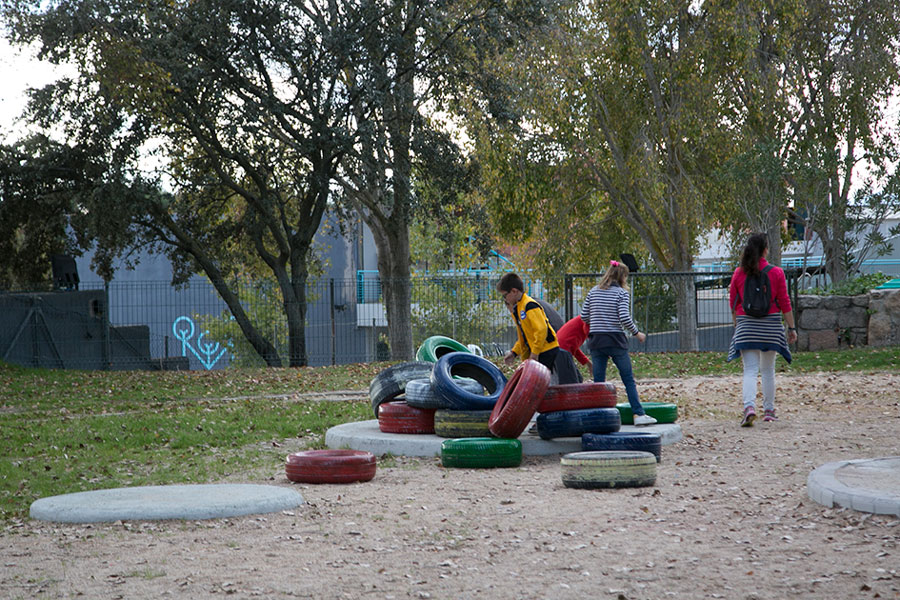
(295, 309)
(393, 251)
(686, 310)
(266, 350)
(773, 232)
(392, 242)
(263, 348)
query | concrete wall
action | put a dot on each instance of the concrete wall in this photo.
(825, 322)
(68, 330)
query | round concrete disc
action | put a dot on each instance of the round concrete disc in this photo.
(869, 485)
(165, 502)
(365, 435)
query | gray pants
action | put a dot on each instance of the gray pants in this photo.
(566, 371)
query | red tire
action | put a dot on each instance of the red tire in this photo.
(577, 396)
(400, 417)
(519, 398)
(330, 466)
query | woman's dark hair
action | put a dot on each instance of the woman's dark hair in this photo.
(753, 251)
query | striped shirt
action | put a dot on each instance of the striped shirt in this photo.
(608, 311)
(766, 333)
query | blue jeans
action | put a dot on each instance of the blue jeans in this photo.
(600, 357)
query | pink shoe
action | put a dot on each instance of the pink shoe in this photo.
(770, 415)
(749, 417)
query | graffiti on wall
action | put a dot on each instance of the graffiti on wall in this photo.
(208, 353)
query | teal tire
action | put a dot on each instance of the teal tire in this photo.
(436, 346)
(481, 453)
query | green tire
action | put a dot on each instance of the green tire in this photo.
(608, 469)
(462, 423)
(663, 412)
(436, 346)
(481, 453)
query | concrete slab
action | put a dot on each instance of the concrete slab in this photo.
(365, 435)
(869, 485)
(152, 503)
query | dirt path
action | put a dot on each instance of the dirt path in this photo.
(728, 518)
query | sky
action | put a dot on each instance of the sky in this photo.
(18, 70)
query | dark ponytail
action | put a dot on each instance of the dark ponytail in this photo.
(753, 251)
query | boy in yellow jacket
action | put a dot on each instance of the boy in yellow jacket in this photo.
(536, 337)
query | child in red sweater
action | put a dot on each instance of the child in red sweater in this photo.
(571, 336)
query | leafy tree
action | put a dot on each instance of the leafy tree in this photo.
(845, 67)
(417, 57)
(807, 88)
(623, 103)
(37, 180)
(244, 101)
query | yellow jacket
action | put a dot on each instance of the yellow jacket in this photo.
(535, 334)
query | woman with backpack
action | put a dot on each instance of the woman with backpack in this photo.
(758, 297)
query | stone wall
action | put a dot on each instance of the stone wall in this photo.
(871, 319)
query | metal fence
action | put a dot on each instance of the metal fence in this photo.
(153, 325)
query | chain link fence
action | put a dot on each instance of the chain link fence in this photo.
(153, 325)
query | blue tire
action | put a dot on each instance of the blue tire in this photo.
(472, 366)
(575, 423)
(420, 394)
(643, 441)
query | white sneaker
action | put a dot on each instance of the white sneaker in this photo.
(644, 420)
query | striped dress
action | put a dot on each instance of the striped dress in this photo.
(766, 333)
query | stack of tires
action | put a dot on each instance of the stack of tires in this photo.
(575, 409)
(508, 418)
(462, 409)
(618, 458)
(387, 394)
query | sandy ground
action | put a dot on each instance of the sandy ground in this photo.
(729, 517)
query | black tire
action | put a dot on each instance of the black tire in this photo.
(464, 364)
(481, 453)
(663, 412)
(642, 441)
(575, 423)
(436, 346)
(595, 470)
(390, 383)
(420, 394)
(462, 423)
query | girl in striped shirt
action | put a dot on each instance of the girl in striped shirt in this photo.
(607, 311)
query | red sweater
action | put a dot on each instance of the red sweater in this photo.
(571, 336)
(782, 302)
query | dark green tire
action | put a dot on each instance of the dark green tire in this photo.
(436, 346)
(481, 453)
(462, 423)
(599, 470)
(663, 412)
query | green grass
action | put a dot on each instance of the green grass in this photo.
(687, 364)
(69, 431)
